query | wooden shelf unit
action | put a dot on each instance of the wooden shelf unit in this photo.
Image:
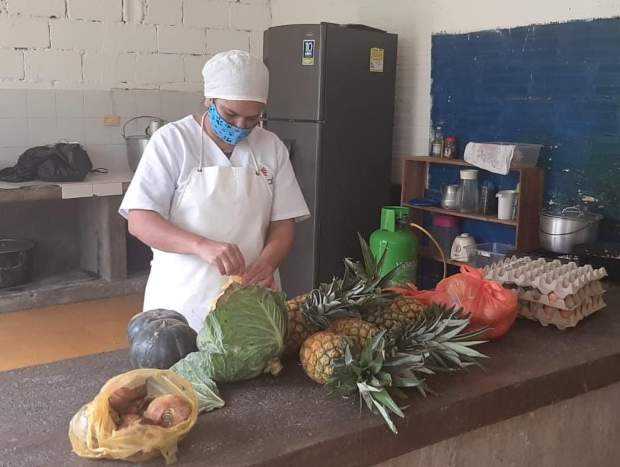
(414, 180)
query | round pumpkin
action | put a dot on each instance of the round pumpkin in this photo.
(144, 319)
(162, 343)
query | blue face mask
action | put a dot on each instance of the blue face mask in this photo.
(227, 132)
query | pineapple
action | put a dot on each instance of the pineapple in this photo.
(356, 330)
(435, 342)
(387, 310)
(401, 311)
(313, 312)
(298, 328)
(319, 352)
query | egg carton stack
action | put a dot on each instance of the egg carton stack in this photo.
(551, 292)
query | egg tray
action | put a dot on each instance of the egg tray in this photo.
(570, 302)
(561, 319)
(547, 276)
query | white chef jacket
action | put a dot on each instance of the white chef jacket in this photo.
(174, 151)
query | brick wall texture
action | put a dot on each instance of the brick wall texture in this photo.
(103, 44)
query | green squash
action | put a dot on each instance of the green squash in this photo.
(144, 319)
(162, 343)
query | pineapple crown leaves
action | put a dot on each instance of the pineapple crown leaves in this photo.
(439, 335)
(366, 375)
(435, 342)
(325, 303)
(367, 275)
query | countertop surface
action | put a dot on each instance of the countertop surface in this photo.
(291, 421)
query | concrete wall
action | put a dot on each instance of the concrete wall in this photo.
(100, 44)
(574, 433)
(415, 22)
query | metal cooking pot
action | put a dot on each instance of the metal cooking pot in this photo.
(137, 143)
(16, 261)
(560, 232)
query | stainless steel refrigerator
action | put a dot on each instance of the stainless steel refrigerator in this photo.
(331, 100)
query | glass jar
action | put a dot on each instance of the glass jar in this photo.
(469, 194)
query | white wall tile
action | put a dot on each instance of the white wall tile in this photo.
(109, 156)
(69, 103)
(97, 103)
(13, 132)
(13, 103)
(42, 131)
(71, 129)
(123, 103)
(148, 103)
(9, 155)
(41, 103)
(96, 133)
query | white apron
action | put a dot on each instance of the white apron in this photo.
(225, 204)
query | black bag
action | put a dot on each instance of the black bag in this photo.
(62, 162)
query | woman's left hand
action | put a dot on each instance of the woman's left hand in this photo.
(261, 273)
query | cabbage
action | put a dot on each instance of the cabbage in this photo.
(195, 369)
(242, 338)
(244, 335)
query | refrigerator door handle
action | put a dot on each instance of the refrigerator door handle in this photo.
(290, 146)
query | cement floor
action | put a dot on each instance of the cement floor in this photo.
(44, 335)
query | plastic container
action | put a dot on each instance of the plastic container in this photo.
(488, 201)
(469, 193)
(489, 253)
(445, 230)
(506, 204)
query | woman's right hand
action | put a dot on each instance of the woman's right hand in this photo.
(227, 257)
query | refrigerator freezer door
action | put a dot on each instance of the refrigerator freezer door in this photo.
(293, 56)
(298, 272)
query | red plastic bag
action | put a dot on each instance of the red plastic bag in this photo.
(486, 302)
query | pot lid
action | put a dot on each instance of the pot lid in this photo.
(14, 245)
(572, 212)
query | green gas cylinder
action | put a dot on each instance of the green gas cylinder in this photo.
(397, 242)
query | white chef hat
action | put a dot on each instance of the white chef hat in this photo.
(236, 76)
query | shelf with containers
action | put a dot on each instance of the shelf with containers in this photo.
(424, 174)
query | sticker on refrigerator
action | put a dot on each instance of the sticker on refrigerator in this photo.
(308, 52)
(376, 59)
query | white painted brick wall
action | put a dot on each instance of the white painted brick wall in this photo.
(103, 44)
(178, 39)
(53, 65)
(192, 65)
(47, 8)
(249, 16)
(206, 13)
(11, 64)
(99, 10)
(23, 32)
(106, 71)
(77, 35)
(119, 37)
(167, 68)
(220, 40)
(163, 12)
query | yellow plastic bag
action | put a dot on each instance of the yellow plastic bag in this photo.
(93, 431)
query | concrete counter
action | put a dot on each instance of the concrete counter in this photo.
(291, 421)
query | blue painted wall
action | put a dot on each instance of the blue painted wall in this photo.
(554, 84)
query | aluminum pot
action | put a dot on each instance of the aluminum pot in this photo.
(561, 232)
(16, 261)
(137, 143)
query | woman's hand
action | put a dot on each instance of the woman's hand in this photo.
(227, 257)
(261, 273)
